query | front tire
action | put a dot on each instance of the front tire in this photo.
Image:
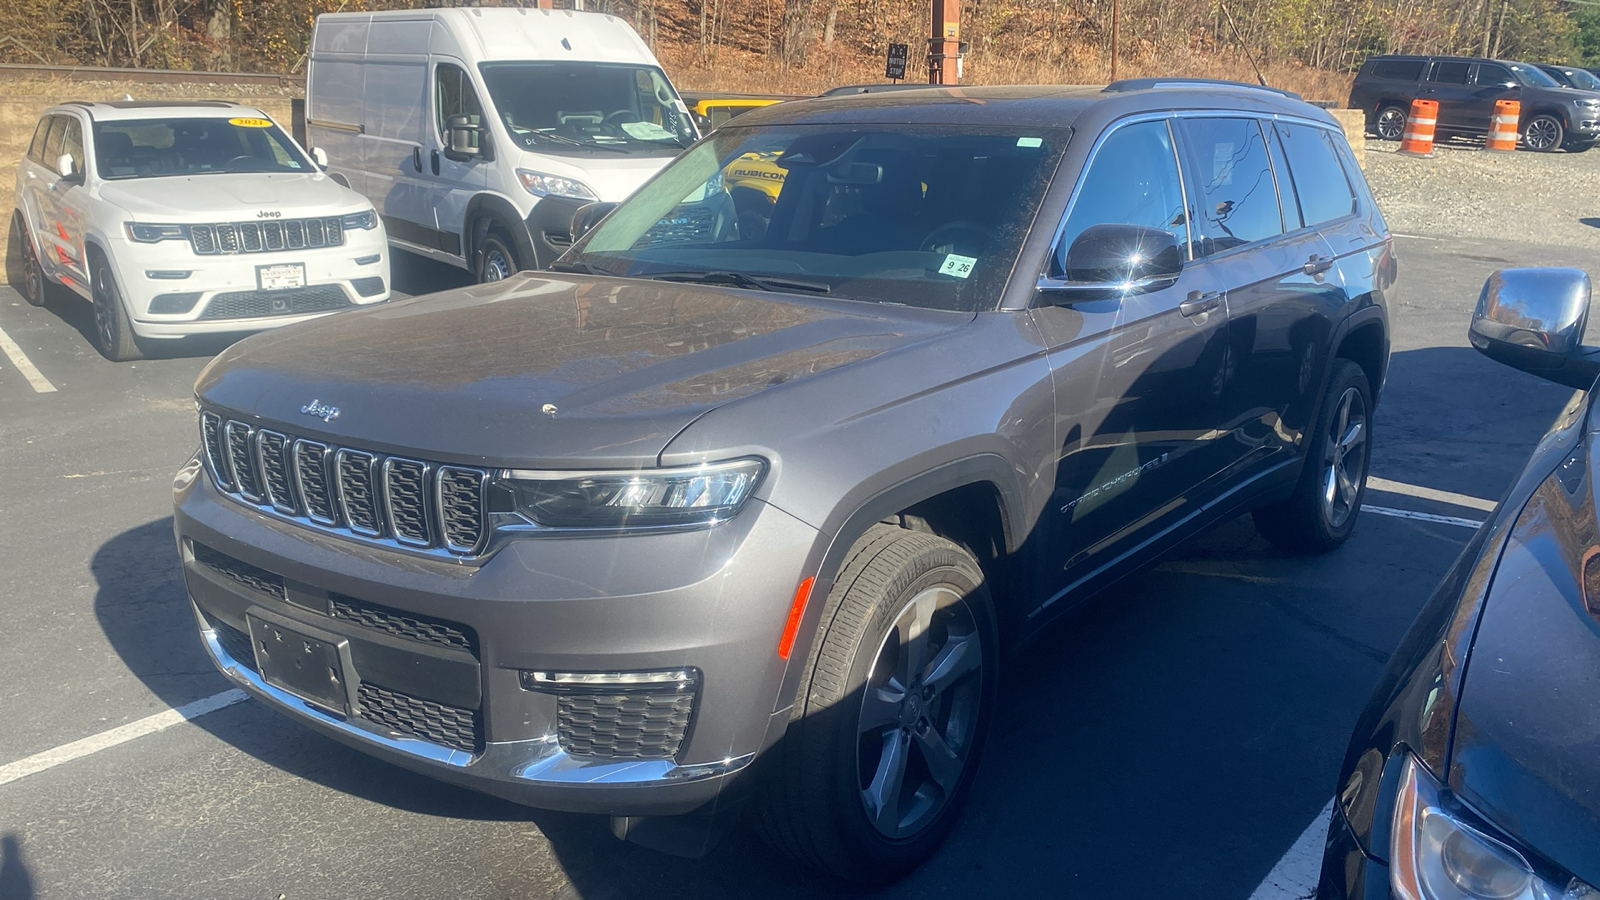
(1322, 512)
(112, 335)
(496, 260)
(1543, 133)
(892, 713)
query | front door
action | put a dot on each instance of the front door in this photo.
(1491, 83)
(1133, 374)
(450, 183)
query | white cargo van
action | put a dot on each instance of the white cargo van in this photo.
(477, 133)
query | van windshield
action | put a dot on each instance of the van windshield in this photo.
(145, 148)
(932, 217)
(561, 107)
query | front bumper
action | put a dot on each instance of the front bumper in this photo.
(714, 600)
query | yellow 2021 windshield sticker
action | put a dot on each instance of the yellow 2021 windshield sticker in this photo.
(248, 122)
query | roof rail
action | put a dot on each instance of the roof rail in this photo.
(1145, 84)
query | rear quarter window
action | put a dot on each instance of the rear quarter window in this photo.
(1320, 185)
(36, 147)
(1399, 70)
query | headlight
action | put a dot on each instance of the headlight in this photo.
(647, 498)
(366, 221)
(153, 234)
(1439, 855)
(541, 185)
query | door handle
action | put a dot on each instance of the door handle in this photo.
(435, 162)
(1197, 303)
(416, 158)
(1317, 265)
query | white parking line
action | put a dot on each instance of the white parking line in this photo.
(24, 365)
(1295, 876)
(1421, 517)
(161, 721)
(1425, 493)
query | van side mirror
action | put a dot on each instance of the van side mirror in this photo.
(68, 167)
(463, 139)
(1122, 259)
(588, 216)
(1533, 319)
(320, 157)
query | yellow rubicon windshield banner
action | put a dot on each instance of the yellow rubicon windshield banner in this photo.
(247, 122)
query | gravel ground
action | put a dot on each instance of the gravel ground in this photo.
(1465, 191)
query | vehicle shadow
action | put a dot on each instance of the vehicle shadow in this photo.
(15, 883)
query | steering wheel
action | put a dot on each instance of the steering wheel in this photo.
(620, 116)
(948, 237)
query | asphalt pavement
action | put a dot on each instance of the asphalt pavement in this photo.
(1174, 737)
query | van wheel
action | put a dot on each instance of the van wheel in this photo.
(1543, 133)
(1391, 123)
(30, 279)
(1322, 512)
(893, 708)
(112, 335)
(496, 260)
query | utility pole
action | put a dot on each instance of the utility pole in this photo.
(945, 44)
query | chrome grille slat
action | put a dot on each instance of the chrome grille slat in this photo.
(357, 500)
(239, 439)
(215, 238)
(403, 503)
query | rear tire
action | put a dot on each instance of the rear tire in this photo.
(1322, 512)
(893, 708)
(28, 277)
(112, 335)
(1390, 124)
(496, 260)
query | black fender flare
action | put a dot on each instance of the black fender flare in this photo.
(1362, 318)
(486, 211)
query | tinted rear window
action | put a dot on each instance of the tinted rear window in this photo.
(1450, 72)
(1238, 199)
(1319, 181)
(1399, 70)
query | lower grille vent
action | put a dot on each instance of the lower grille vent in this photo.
(403, 625)
(623, 725)
(403, 714)
(256, 579)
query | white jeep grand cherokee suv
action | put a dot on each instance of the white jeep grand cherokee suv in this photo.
(181, 218)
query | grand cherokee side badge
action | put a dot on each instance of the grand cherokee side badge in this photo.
(321, 410)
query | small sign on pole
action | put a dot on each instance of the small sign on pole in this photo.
(895, 70)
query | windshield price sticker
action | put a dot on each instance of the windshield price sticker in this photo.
(247, 122)
(958, 266)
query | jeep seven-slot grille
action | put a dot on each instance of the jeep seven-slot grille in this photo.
(265, 237)
(414, 503)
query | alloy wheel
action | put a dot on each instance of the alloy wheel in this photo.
(919, 713)
(1344, 458)
(1391, 124)
(1543, 134)
(105, 318)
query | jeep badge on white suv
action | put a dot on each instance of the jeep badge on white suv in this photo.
(182, 218)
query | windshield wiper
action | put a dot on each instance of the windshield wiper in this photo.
(580, 267)
(563, 139)
(739, 279)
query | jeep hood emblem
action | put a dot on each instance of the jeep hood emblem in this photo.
(321, 410)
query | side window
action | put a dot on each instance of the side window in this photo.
(1292, 220)
(1319, 181)
(453, 95)
(36, 147)
(1449, 73)
(1238, 200)
(1399, 70)
(1133, 180)
(72, 142)
(52, 143)
(1491, 75)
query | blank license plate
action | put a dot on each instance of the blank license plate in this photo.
(281, 277)
(303, 665)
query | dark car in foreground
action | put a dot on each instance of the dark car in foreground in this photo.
(1474, 772)
(741, 507)
(1553, 116)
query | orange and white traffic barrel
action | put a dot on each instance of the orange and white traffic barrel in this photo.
(1418, 139)
(1503, 125)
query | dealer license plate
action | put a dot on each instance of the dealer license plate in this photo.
(281, 277)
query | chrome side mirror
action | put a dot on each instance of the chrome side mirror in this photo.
(1120, 259)
(1533, 320)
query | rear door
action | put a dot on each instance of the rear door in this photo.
(53, 240)
(1449, 82)
(1132, 374)
(33, 176)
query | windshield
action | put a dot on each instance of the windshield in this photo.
(1532, 76)
(932, 217)
(147, 149)
(1582, 79)
(559, 106)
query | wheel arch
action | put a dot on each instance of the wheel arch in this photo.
(1366, 344)
(486, 211)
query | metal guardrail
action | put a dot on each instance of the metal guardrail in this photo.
(178, 76)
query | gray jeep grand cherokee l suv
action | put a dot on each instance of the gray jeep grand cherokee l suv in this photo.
(742, 507)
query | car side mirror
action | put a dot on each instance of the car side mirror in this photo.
(68, 167)
(464, 139)
(1533, 319)
(320, 157)
(1124, 259)
(588, 216)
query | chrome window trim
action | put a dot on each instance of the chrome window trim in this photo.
(427, 502)
(483, 501)
(344, 502)
(288, 508)
(250, 452)
(299, 484)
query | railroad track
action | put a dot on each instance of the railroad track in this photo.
(148, 76)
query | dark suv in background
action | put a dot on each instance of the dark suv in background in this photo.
(1553, 116)
(748, 503)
